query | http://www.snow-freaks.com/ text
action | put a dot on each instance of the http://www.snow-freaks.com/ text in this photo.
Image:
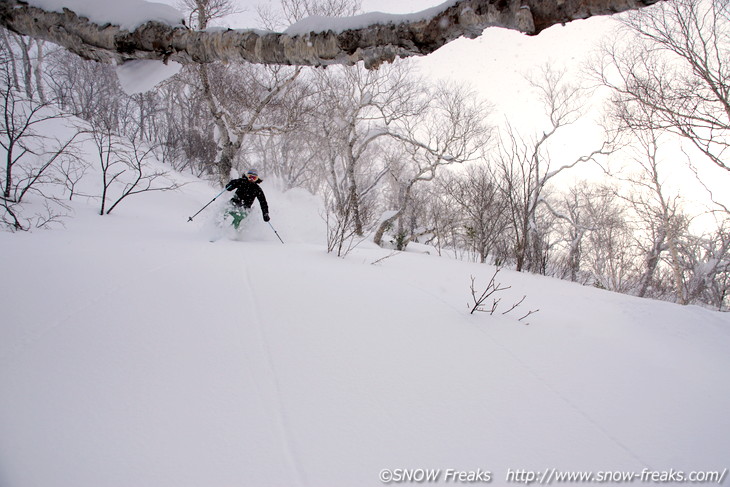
(549, 476)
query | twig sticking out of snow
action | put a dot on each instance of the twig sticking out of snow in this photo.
(492, 288)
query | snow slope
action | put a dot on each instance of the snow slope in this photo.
(134, 353)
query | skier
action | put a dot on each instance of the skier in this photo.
(247, 189)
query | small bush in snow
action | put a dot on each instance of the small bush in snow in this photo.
(481, 300)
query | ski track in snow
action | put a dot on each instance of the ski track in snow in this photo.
(274, 390)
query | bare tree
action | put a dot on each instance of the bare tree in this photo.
(672, 62)
(571, 210)
(668, 75)
(31, 66)
(671, 82)
(87, 90)
(706, 260)
(450, 128)
(608, 249)
(481, 210)
(141, 178)
(245, 100)
(28, 154)
(201, 12)
(660, 214)
(295, 10)
(291, 11)
(356, 109)
(185, 130)
(341, 236)
(70, 171)
(123, 163)
(293, 157)
(492, 289)
(526, 165)
(443, 218)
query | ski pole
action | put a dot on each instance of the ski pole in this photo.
(277, 233)
(190, 218)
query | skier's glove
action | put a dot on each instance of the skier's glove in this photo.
(229, 186)
(266, 217)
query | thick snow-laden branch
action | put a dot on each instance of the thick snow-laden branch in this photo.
(372, 38)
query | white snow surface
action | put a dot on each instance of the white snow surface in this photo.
(134, 352)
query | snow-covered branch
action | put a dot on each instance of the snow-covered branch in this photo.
(372, 38)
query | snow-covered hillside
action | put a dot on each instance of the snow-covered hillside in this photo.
(135, 353)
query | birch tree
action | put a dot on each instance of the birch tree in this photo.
(357, 109)
(706, 261)
(609, 251)
(480, 210)
(526, 165)
(672, 62)
(572, 210)
(29, 155)
(660, 216)
(243, 99)
(450, 128)
(338, 44)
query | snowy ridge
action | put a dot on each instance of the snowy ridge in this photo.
(133, 352)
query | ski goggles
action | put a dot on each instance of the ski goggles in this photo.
(252, 177)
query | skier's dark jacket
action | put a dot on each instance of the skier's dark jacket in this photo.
(246, 192)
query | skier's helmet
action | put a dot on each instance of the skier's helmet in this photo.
(252, 174)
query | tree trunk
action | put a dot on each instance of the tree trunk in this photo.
(11, 58)
(8, 172)
(652, 261)
(574, 262)
(39, 72)
(27, 68)
(372, 44)
(384, 225)
(227, 148)
(353, 196)
(682, 297)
